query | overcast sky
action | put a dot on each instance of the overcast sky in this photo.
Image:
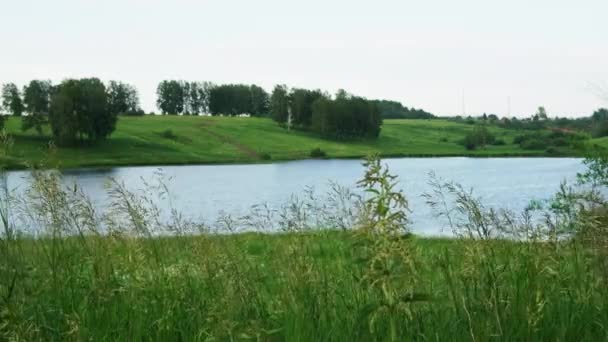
(425, 54)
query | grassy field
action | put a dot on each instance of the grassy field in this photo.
(300, 287)
(194, 140)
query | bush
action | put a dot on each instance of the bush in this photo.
(2, 121)
(560, 142)
(551, 150)
(264, 156)
(479, 137)
(469, 142)
(317, 153)
(138, 112)
(443, 139)
(168, 134)
(534, 144)
(520, 138)
(499, 142)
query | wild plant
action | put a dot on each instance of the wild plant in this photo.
(387, 249)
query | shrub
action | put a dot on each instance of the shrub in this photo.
(562, 141)
(520, 138)
(443, 139)
(534, 144)
(168, 134)
(479, 137)
(317, 153)
(469, 142)
(551, 150)
(499, 142)
(264, 156)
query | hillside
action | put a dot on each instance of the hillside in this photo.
(192, 139)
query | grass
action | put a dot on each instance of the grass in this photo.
(299, 286)
(199, 140)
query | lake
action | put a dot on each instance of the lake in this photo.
(200, 192)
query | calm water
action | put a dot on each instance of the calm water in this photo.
(201, 192)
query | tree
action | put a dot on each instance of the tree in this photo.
(230, 99)
(187, 97)
(37, 99)
(279, 104)
(479, 137)
(122, 98)
(170, 97)
(301, 102)
(541, 113)
(11, 99)
(600, 115)
(395, 110)
(346, 117)
(80, 110)
(194, 95)
(197, 101)
(259, 101)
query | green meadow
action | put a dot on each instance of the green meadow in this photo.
(301, 287)
(162, 140)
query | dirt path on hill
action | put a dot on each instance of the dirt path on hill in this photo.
(228, 140)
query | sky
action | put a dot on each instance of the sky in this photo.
(447, 57)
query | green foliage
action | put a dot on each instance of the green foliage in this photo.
(346, 117)
(499, 142)
(235, 99)
(260, 101)
(264, 156)
(170, 97)
(37, 99)
(555, 138)
(396, 110)
(123, 99)
(301, 104)
(534, 143)
(79, 110)
(168, 134)
(317, 152)
(279, 104)
(11, 99)
(479, 137)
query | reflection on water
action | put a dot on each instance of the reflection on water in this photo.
(200, 192)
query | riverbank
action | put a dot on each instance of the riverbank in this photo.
(298, 286)
(171, 140)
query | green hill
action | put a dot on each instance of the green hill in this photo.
(192, 139)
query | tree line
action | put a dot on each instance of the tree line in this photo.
(345, 116)
(342, 117)
(596, 124)
(195, 98)
(76, 110)
(396, 110)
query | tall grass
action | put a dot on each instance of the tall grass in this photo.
(69, 272)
